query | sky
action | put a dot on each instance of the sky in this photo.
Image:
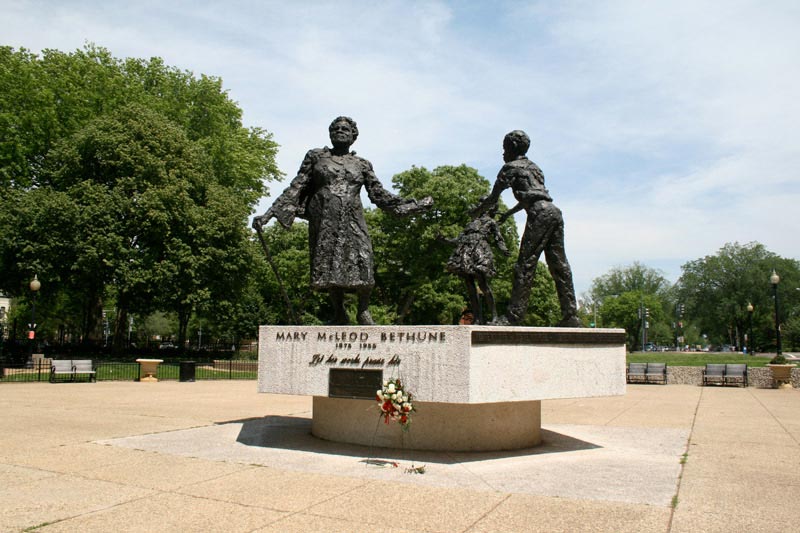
(664, 129)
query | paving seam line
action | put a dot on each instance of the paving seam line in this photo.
(487, 513)
(684, 459)
(308, 511)
(608, 422)
(775, 418)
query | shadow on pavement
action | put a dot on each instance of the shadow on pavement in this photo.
(294, 433)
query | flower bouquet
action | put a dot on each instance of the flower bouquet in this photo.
(395, 403)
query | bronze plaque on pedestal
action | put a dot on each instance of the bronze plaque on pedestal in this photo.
(349, 383)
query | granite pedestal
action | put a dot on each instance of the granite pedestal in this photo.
(476, 388)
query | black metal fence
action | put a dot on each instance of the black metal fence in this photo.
(39, 370)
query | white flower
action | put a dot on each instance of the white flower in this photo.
(380, 394)
(407, 406)
(391, 388)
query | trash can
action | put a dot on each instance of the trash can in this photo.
(187, 369)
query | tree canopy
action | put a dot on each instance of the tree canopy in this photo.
(410, 258)
(634, 278)
(620, 297)
(124, 181)
(709, 303)
(717, 288)
(45, 99)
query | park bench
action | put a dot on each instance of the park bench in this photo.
(647, 373)
(637, 372)
(714, 373)
(72, 368)
(736, 374)
(84, 367)
(60, 367)
(656, 373)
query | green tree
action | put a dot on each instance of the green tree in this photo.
(624, 311)
(409, 260)
(791, 332)
(634, 278)
(156, 226)
(124, 181)
(412, 284)
(619, 297)
(290, 255)
(717, 289)
(44, 99)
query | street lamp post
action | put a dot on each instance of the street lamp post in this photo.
(775, 279)
(35, 285)
(644, 314)
(679, 308)
(751, 344)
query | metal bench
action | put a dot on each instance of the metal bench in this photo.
(637, 373)
(736, 374)
(84, 367)
(647, 373)
(72, 368)
(656, 373)
(61, 367)
(714, 373)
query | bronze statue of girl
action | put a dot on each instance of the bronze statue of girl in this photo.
(473, 261)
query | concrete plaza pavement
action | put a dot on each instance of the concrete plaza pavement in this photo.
(218, 456)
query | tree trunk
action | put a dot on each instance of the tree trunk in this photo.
(93, 308)
(405, 309)
(184, 314)
(119, 329)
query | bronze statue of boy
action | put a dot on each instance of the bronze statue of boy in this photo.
(544, 230)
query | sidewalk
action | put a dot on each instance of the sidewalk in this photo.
(218, 456)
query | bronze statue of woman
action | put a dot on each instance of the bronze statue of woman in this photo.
(327, 193)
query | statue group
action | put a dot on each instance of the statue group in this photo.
(327, 193)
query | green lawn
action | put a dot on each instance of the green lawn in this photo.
(168, 371)
(697, 358)
(130, 371)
